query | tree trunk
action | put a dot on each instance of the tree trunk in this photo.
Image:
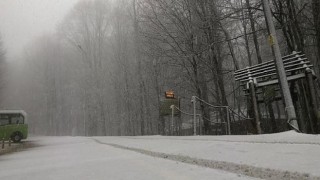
(316, 19)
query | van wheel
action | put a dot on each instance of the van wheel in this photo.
(16, 137)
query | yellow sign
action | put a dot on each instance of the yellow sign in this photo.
(169, 94)
(271, 40)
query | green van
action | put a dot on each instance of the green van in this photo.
(13, 125)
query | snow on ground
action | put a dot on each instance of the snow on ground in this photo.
(67, 158)
(92, 158)
(288, 151)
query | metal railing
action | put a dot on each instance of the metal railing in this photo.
(188, 114)
(229, 116)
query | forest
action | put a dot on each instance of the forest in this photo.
(106, 68)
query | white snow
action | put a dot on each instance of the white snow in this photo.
(288, 151)
(81, 158)
(84, 158)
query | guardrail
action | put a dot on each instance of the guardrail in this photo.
(230, 113)
(188, 114)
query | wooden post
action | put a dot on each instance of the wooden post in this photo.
(272, 117)
(200, 125)
(179, 118)
(314, 121)
(228, 121)
(2, 143)
(193, 100)
(255, 106)
(161, 126)
(269, 95)
(9, 142)
(305, 114)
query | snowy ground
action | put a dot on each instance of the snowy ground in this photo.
(288, 151)
(289, 154)
(67, 158)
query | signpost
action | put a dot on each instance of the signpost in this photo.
(167, 109)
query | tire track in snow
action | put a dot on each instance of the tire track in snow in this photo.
(232, 141)
(256, 172)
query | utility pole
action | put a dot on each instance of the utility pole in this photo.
(291, 114)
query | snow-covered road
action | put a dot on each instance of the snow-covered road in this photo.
(288, 151)
(287, 155)
(68, 158)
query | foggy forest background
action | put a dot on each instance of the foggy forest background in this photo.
(105, 70)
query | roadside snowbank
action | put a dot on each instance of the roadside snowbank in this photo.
(287, 151)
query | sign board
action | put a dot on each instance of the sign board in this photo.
(165, 109)
(271, 40)
(169, 94)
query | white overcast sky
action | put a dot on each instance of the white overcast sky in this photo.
(23, 20)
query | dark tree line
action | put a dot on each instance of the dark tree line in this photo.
(105, 70)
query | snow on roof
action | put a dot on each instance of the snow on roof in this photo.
(14, 112)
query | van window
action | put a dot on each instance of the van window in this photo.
(4, 120)
(17, 119)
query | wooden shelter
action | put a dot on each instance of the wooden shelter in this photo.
(261, 85)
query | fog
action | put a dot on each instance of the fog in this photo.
(102, 67)
(22, 21)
